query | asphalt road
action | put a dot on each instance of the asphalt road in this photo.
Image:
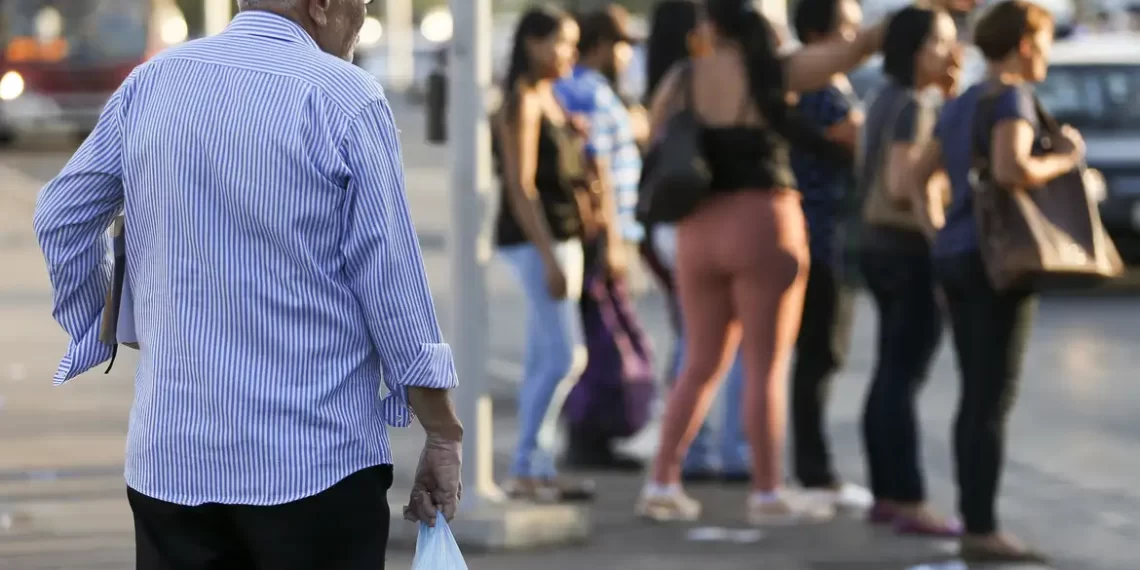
(1070, 486)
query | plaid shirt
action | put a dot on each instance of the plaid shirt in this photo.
(587, 92)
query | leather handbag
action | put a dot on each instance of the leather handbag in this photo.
(1048, 237)
(675, 177)
(580, 176)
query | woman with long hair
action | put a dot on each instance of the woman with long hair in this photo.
(742, 255)
(991, 327)
(672, 38)
(539, 232)
(919, 53)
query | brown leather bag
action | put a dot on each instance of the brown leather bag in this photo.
(581, 176)
(1038, 238)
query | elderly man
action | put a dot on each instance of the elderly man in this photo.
(277, 279)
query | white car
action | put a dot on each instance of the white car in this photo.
(1094, 85)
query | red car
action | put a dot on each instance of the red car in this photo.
(62, 59)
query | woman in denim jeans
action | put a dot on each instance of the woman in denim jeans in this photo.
(919, 53)
(538, 232)
(991, 327)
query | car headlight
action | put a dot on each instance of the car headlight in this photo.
(1095, 185)
(11, 86)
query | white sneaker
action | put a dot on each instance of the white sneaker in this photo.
(853, 499)
(670, 506)
(848, 498)
(789, 508)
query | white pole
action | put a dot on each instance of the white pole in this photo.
(469, 247)
(217, 16)
(399, 29)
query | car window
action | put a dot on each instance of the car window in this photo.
(1093, 97)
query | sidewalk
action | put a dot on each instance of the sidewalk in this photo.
(622, 542)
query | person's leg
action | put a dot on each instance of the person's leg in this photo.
(344, 527)
(874, 270)
(700, 461)
(999, 325)
(912, 330)
(177, 537)
(698, 465)
(710, 339)
(768, 287)
(735, 454)
(565, 359)
(554, 357)
(816, 361)
(996, 327)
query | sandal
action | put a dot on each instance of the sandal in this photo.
(565, 491)
(998, 550)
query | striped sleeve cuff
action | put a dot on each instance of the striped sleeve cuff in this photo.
(82, 355)
(433, 367)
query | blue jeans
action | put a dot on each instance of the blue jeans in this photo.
(555, 353)
(702, 455)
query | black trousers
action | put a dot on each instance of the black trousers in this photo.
(991, 334)
(342, 528)
(821, 348)
(910, 328)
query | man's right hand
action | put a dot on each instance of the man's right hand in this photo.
(437, 487)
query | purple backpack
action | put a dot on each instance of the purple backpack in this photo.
(614, 396)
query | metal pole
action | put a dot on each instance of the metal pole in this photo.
(217, 16)
(469, 245)
(399, 29)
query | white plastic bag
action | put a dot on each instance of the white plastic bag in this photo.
(436, 548)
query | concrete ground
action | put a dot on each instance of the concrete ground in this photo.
(1070, 485)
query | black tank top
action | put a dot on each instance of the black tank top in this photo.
(742, 157)
(561, 166)
(747, 158)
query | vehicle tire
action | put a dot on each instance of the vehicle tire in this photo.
(7, 138)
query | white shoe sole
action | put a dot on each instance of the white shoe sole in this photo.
(665, 514)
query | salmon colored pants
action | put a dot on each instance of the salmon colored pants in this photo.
(742, 267)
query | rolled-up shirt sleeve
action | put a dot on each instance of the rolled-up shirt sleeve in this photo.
(72, 215)
(385, 267)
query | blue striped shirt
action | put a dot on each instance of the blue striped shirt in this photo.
(588, 93)
(276, 273)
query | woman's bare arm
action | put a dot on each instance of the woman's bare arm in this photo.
(519, 135)
(811, 67)
(1012, 160)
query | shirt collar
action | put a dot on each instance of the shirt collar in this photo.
(270, 25)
